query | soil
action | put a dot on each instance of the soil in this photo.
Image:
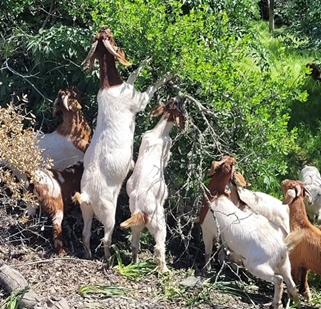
(27, 247)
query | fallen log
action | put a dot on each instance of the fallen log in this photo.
(12, 281)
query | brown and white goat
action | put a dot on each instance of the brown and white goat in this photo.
(108, 159)
(54, 191)
(68, 143)
(306, 255)
(262, 249)
(146, 187)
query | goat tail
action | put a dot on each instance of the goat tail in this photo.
(294, 238)
(139, 218)
(81, 198)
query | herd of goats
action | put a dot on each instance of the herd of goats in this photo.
(275, 241)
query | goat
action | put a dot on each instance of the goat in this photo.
(54, 191)
(68, 143)
(146, 187)
(306, 255)
(311, 178)
(262, 248)
(109, 156)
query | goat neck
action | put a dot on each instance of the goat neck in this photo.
(220, 174)
(76, 126)
(109, 75)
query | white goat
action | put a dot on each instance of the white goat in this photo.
(262, 248)
(146, 187)
(311, 178)
(109, 156)
(68, 143)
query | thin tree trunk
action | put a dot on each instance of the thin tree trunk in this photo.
(271, 15)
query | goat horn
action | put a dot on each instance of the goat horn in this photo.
(91, 52)
(289, 196)
(110, 48)
(308, 195)
(65, 101)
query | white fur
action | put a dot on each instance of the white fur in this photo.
(260, 246)
(60, 149)
(264, 204)
(311, 178)
(109, 156)
(147, 189)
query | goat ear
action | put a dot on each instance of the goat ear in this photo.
(289, 196)
(122, 57)
(90, 54)
(240, 180)
(298, 190)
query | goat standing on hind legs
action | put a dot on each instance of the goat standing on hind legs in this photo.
(146, 187)
(306, 255)
(108, 159)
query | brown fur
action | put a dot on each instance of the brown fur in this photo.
(138, 218)
(217, 184)
(173, 111)
(72, 177)
(74, 124)
(306, 255)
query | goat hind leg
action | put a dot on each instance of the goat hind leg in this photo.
(158, 229)
(266, 273)
(57, 232)
(304, 285)
(136, 230)
(87, 215)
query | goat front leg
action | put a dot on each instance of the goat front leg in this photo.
(132, 77)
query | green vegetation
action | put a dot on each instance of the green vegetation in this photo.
(13, 301)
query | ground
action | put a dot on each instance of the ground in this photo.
(27, 247)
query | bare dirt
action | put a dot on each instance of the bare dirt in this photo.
(27, 248)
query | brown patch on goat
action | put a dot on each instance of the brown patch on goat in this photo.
(74, 124)
(220, 174)
(50, 205)
(71, 177)
(109, 75)
(307, 254)
(138, 218)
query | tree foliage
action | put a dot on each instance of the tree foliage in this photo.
(237, 105)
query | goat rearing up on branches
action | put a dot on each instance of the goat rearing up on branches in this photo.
(146, 187)
(109, 156)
